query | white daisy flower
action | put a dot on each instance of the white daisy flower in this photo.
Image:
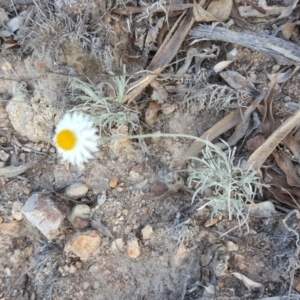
(75, 138)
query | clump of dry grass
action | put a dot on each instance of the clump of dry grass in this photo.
(47, 27)
(232, 187)
(46, 274)
(104, 103)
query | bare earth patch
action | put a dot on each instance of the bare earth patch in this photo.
(133, 222)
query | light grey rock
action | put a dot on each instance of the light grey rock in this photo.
(41, 212)
(231, 246)
(31, 118)
(147, 231)
(292, 106)
(76, 190)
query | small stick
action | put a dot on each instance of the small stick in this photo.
(258, 8)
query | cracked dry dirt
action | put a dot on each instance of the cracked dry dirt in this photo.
(158, 246)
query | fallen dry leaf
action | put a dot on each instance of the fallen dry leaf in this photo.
(292, 143)
(164, 55)
(259, 156)
(238, 20)
(289, 9)
(285, 76)
(286, 165)
(12, 171)
(201, 15)
(151, 116)
(282, 191)
(10, 44)
(244, 126)
(159, 93)
(250, 284)
(269, 124)
(220, 9)
(288, 29)
(151, 37)
(222, 65)
(238, 82)
(255, 142)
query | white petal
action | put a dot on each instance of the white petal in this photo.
(87, 138)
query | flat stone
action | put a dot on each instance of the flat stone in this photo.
(134, 175)
(76, 190)
(84, 244)
(147, 231)
(232, 247)
(12, 226)
(41, 212)
(138, 169)
(30, 119)
(133, 248)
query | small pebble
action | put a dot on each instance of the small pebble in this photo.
(292, 106)
(16, 211)
(125, 212)
(147, 231)
(134, 175)
(66, 269)
(76, 190)
(12, 226)
(3, 140)
(96, 285)
(127, 229)
(85, 285)
(3, 155)
(78, 264)
(52, 150)
(275, 68)
(145, 210)
(72, 269)
(26, 191)
(113, 182)
(133, 248)
(231, 247)
(7, 271)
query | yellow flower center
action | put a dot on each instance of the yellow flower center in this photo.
(66, 139)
